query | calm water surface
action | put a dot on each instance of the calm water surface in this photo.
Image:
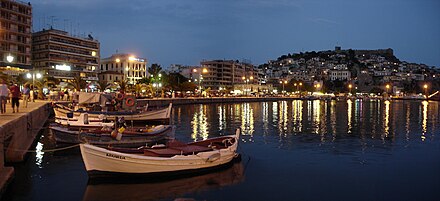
(291, 150)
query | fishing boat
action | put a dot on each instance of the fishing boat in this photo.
(173, 158)
(129, 137)
(83, 121)
(161, 115)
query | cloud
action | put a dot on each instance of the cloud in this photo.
(325, 21)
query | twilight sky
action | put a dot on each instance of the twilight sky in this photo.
(188, 31)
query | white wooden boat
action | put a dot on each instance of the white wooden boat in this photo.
(171, 159)
(130, 137)
(83, 122)
(162, 115)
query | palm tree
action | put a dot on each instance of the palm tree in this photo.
(102, 85)
(78, 83)
(154, 69)
(46, 82)
(123, 85)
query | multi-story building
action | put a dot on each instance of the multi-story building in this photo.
(227, 73)
(123, 67)
(15, 36)
(339, 75)
(63, 56)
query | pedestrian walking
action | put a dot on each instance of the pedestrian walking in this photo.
(26, 93)
(4, 91)
(15, 97)
(32, 94)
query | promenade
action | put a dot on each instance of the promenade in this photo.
(17, 133)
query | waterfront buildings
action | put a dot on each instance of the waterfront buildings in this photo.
(15, 37)
(227, 74)
(123, 67)
(60, 55)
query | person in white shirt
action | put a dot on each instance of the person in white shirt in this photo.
(4, 91)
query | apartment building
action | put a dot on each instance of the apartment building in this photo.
(339, 75)
(227, 73)
(60, 55)
(15, 36)
(123, 67)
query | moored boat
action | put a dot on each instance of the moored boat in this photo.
(173, 158)
(83, 121)
(106, 136)
(161, 115)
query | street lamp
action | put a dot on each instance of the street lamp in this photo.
(317, 86)
(349, 87)
(33, 76)
(203, 71)
(425, 86)
(246, 81)
(10, 58)
(283, 82)
(387, 87)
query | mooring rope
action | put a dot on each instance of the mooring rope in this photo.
(47, 150)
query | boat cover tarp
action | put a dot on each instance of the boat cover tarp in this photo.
(89, 98)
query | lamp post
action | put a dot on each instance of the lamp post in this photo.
(425, 87)
(387, 87)
(317, 87)
(33, 76)
(156, 82)
(349, 87)
(283, 82)
(203, 71)
(246, 81)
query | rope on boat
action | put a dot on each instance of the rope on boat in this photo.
(47, 150)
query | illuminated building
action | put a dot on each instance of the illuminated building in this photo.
(123, 67)
(63, 56)
(227, 74)
(15, 37)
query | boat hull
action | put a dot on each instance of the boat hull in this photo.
(98, 159)
(162, 115)
(64, 135)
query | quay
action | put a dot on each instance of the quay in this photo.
(17, 134)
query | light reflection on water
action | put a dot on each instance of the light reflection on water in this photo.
(39, 154)
(200, 124)
(425, 119)
(325, 119)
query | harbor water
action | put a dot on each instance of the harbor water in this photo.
(290, 150)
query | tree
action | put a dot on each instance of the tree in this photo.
(155, 69)
(78, 83)
(45, 82)
(123, 85)
(102, 85)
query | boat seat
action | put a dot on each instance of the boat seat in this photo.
(165, 152)
(172, 151)
(190, 149)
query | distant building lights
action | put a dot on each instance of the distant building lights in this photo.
(131, 58)
(117, 60)
(28, 75)
(93, 53)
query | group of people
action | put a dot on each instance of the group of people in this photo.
(15, 94)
